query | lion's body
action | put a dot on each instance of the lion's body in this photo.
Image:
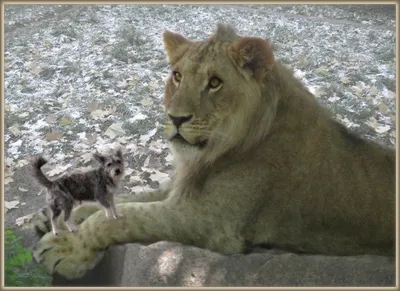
(258, 161)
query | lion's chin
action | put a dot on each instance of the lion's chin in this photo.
(178, 139)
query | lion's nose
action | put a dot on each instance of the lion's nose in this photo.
(178, 120)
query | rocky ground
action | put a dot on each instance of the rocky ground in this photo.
(82, 77)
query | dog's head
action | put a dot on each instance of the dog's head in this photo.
(113, 164)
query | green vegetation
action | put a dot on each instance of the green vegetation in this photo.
(20, 270)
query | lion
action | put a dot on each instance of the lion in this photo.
(258, 161)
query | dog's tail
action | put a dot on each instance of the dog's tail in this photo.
(38, 174)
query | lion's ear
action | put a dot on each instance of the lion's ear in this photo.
(175, 44)
(254, 54)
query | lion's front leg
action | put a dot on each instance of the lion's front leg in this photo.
(72, 254)
(40, 220)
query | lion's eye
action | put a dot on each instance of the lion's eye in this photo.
(214, 82)
(177, 76)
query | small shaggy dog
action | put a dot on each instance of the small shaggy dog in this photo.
(98, 184)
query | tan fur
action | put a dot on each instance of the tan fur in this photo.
(262, 163)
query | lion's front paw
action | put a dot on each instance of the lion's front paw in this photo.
(67, 254)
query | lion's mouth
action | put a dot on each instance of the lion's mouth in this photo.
(179, 138)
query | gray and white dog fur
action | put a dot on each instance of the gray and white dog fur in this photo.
(97, 184)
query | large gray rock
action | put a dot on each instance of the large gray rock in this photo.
(166, 264)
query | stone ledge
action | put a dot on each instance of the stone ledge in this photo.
(166, 264)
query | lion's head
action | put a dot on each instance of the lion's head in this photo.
(216, 98)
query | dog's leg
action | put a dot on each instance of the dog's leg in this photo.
(106, 204)
(108, 212)
(67, 218)
(113, 209)
(56, 213)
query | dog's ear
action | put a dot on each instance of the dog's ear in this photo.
(119, 153)
(101, 159)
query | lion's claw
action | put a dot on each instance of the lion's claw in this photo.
(66, 255)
